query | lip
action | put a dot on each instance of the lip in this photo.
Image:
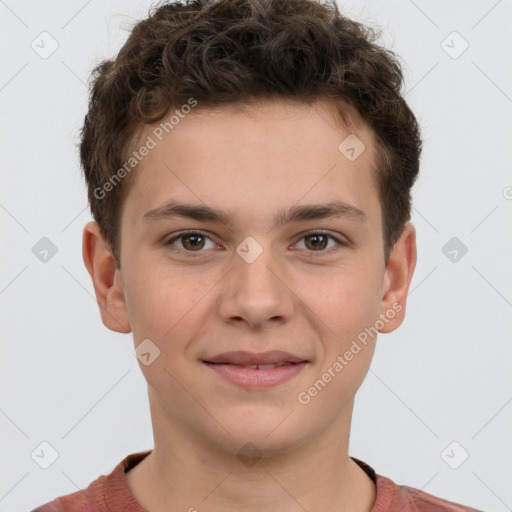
(249, 378)
(250, 358)
(230, 366)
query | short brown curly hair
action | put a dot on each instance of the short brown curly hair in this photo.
(221, 52)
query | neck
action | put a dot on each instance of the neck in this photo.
(193, 474)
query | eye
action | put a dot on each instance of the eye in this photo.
(318, 242)
(313, 242)
(191, 241)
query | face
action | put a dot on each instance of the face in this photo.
(246, 232)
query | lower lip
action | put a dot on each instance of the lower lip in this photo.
(254, 378)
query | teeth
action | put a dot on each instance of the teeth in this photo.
(264, 366)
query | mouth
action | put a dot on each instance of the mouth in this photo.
(270, 366)
(271, 358)
(256, 370)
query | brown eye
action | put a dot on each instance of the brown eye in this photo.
(191, 242)
(317, 241)
(320, 244)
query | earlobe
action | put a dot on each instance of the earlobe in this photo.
(397, 279)
(106, 279)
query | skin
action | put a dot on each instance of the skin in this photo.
(193, 305)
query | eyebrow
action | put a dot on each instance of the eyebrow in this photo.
(201, 212)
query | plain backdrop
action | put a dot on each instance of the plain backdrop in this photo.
(439, 388)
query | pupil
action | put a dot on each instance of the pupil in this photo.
(321, 244)
(194, 244)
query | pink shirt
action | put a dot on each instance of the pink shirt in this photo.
(111, 493)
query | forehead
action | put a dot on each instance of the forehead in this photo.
(237, 154)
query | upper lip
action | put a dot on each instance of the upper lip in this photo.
(251, 358)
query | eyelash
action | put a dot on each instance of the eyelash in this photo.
(313, 253)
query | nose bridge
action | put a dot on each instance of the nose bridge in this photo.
(255, 291)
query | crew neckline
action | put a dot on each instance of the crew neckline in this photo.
(116, 486)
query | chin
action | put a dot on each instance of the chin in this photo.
(260, 433)
(255, 446)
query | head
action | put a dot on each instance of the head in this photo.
(267, 115)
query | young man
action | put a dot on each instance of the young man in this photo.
(249, 166)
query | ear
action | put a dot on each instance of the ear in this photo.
(106, 279)
(397, 278)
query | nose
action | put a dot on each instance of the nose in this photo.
(256, 294)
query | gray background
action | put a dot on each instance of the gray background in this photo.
(444, 376)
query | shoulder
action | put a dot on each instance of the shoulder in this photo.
(74, 502)
(392, 497)
(106, 493)
(85, 500)
(411, 499)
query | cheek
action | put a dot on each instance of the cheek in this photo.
(346, 300)
(348, 308)
(164, 308)
(160, 301)
(169, 308)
